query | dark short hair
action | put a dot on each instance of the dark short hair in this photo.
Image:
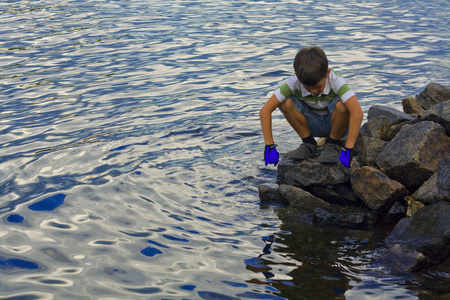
(311, 65)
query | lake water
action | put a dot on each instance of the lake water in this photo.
(131, 148)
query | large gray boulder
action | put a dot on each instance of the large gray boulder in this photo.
(381, 118)
(439, 113)
(426, 231)
(433, 94)
(413, 155)
(377, 190)
(310, 172)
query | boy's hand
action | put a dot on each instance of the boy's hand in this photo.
(346, 157)
(271, 155)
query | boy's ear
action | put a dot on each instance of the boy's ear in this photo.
(328, 73)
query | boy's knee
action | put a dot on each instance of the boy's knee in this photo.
(340, 108)
(286, 106)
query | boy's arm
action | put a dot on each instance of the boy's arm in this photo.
(265, 116)
(356, 116)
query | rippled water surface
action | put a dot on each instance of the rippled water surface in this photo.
(131, 149)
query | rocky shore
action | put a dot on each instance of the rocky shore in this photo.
(400, 176)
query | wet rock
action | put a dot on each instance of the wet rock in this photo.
(368, 149)
(443, 178)
(426, 231)
(411, 106)
(400, 259)
(350, 216)
(310, 172)
(270, 193)
(439, 113)
(340, 194)
(301, 205)
(301, 199)
(381, 118)
(306, 208)
(412, 156)
(433, 94)
(376, 189)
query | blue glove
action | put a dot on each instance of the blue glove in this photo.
(346, 157)
(271, 155)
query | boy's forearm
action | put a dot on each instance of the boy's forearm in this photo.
(265, 116)
(353, 129)
(266, 126)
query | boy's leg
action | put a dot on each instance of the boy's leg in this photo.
(339, 121)
(339, 124)
(295, 117)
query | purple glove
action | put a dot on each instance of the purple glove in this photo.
(346, 157)
(271, 155)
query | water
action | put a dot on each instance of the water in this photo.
(131, 146)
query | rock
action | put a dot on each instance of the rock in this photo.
(412, 156)
(399, 260)
(340, 194)
(301, 199)
(411, 106)
(426, 231)
(376, 189)
(368, 149)
(395, 213)
(350, 216)
(397, 127)
(413, 205)
(270, 193)
(443, 178)
(306, 208)
(433, 94)
(311, 172)
(428, 192)
(381, 118)
(439, 113)
(301, 204)
(364, 131)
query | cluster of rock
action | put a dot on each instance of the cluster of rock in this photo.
(401, 175)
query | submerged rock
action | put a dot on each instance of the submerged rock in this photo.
(400, 259)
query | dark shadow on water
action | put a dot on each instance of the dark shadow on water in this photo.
(320, 261)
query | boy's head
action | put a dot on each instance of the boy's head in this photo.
(311, 66)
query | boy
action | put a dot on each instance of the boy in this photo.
(316, 102)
